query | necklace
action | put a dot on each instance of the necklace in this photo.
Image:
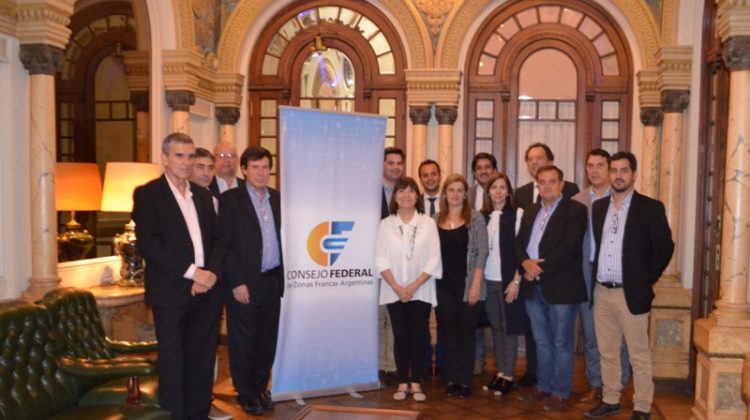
(412, 240)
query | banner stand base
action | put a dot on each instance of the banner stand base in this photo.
(350, 389)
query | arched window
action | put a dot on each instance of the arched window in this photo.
(343, 56)
(557, 72)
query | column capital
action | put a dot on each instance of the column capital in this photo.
(446, 115)
(227, 115)
(180, 100)
(732, 18)
(674, 64)
(736, 53)
(675, 100)
(140, 100)
(138, 67)
(420, 114)
(44, 22)
(41, 58)
(426, 86)
(651, 116)
(648, 88)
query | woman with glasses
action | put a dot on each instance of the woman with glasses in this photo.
(463, 247)
(408, 259)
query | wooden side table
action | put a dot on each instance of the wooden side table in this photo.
(111, 297)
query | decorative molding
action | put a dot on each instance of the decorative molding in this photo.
(732, 18)
(437, 86)
(180, 100)
(670, 16)
(420, 114)
(227, 115)
(446, 115)
(8, 17)
(140, 100)
(651, 116)
(44, 22)
(736, 52)
(189, 70)
(229, 89)
(435, 12)
(41, 58)
(675, 67)
(138, 69)
(648, 88)
(675, 100)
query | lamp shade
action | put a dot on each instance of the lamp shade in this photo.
(121, 179)
(78, 186)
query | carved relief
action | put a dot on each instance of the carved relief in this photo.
(675, 100)
(180, 100)
(227, 115)
(434, 13)
(41, 58)
(651, 116)
(446, 114)
(420, 114)
(736, 53)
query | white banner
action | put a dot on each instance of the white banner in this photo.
(331, 176)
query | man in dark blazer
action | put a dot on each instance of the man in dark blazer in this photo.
(538, 155)
(633, 247)
(549, 248)
(249, 244)
(226, 177)
(175, 227)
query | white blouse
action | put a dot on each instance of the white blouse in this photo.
(408, 249)
(493, 270)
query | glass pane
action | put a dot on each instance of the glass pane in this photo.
(390, 141)
(527, 110)
(589, 28)
(484, 128)
(327, 104)
(387, 107)
(119, 111)
(99, 26)
(380, 44)
(485, 109)
(603, 46)
(549, 14)
(483, 146)
(486, 65)
(610, 129)
(118, 21)
(612, 146)
(508, 28)
(609, 66)
(349, 17)
(328, 74)
(65, 128)
(277, 45)
(570, 17)
(72, 53)
(66, 110)
(290, 29)
(308, 17)
(367, 28)
(67, 146)
(494, 45)
(269, 143)
(390, 127)
(527, 17)
(346, 105)
(547, 110)
(270, 65)
(267, 108)
(83, 37)
(306, 103)
(272, 181)
(268, 127)
(611, 110)
(328, 13)
(67, 70)
(386, 65)
(102, 111)
(566, 110)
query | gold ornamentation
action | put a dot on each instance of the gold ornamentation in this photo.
(436, 11)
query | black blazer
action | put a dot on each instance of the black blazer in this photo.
(524, 195)
(214, 186)
(164, 240)
(561, 247)
(239, 242)
(646, 249)
(384, 211)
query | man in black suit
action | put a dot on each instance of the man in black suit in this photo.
(549, 248)
(226, 177)
(249, 243)
(539, 155)
(633, 247)
(175, 227)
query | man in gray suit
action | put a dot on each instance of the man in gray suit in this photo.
(597, 174)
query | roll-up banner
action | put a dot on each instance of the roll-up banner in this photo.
(331, 188)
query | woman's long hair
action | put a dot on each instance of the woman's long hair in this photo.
(465, 210)
(402, 184)
(487, 206)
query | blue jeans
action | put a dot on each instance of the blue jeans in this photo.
(553, 327)
(591, 350)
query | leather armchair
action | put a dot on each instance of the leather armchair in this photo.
(76, 322)
(38, 381)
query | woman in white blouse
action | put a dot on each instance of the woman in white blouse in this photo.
(505, 311)
(408, 260)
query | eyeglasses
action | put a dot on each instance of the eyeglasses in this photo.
(226, 155)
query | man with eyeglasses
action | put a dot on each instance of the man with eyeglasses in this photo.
(226, 169)
(633, 247)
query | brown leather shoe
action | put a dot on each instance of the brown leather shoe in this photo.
(554, 403)
(591, 395)
(534, 396)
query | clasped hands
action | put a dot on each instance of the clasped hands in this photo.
(532, 268)
(405, 293)
(203, 281)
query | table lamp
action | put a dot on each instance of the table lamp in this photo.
(78, 187)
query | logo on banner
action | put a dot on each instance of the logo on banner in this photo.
(327, 240)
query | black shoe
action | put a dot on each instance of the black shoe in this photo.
(640, 415)
(464, 392)
(506, 385)
(495, 383)
(603, 410)
(252, 407)
(527, 380)
(452, 390)
(437, 372)
(427, 373)
(265, 400)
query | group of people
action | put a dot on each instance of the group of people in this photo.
(197, 224)
(530, 262)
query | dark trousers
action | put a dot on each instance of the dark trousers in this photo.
(437, 351)
(408, 321)
(252, 331)
(187, 336)
(459, 322)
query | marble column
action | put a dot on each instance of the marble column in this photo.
(651, 118)
(42, 61)
(180, 102)
(446, 117)
(140, 100)
(420, 116)
(228, 117)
